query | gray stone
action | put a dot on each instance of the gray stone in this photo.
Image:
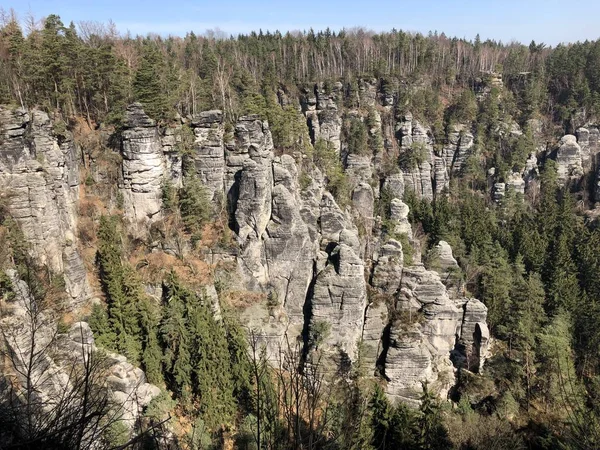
(209, 151)
(143, 170)
(40, 178)
(569, 159)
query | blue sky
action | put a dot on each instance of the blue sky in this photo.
(549, 21)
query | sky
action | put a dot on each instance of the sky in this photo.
(547, 21)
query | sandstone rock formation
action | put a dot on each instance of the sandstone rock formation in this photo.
(142, 171)
(321, 111)
(39, 179)
(308, 262)
(417, 145)
(209, 151)
(459, 148)
(51, 362)
(569, 159)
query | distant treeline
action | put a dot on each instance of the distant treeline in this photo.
(93, 71)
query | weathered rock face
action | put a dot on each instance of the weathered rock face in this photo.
(40, 177)
(209, 151)
(515, 182)
(588, 140)
(569, 159)
(142, 171)
(52, 359)
(289, 249)
(471, 349)
(433, 322)
(394, 184)
(339, 300)
(367, 92)
(300, 254)
(431, 327)
(459, 148)
(376, 319)
(498, 192)
(321, 111)
(415, 140)
(253, 186)
(443, 262)
(171, 142)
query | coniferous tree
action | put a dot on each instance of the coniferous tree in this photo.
(432, 433)
(147, 85)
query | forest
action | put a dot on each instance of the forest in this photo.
(532, 258)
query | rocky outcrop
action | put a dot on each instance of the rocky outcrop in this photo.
(376, 319)
(323, 118)
(422, 339)
(589, 142)
(367, 92)
(208, 155)
(394, 185)
(472, 346)
(339, 301)
(498, 192)
(516, 182)
(171, 143)
(53, 362)
(459, 147)
(399, 217)
(304, 262)
(434, 330)
(442, 260)
(417, 152)
(39, 178)
(142, 171)
(289, 249)
(125, 382)
(569, 159)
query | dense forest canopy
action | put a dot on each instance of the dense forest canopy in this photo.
(94, 71)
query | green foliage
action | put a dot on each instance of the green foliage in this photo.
(557, 378)
(318, 333)
(160, 406)
(413, 156)
(169, 196)
(495, 287)
(100, 325)
(184, 138)
(197, 359)
(147, 86)
(289, 129)
(128, 325)
(357, 137)
(432, 432)
(194, 205)
(239, 360)
(464, 110)
(116, 434)
(6, 287)
(327, 160)
(393, 426)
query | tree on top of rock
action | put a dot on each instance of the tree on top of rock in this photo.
(147, 85)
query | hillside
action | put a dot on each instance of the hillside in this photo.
(323, 240)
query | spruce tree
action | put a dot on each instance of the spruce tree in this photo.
(147, 86)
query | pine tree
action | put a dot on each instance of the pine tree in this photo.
(147, 86)
(496, 281)
(381, 416)
(194, 205)
(176, 341)
(432, 433)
